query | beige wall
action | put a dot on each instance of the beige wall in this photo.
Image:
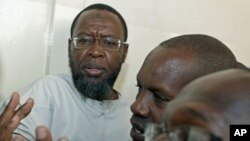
(28, 49)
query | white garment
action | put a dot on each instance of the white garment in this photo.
(59, 106)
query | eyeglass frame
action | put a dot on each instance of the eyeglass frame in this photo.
(101, 42)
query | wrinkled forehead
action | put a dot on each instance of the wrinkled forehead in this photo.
(98, 14)
(99, 20)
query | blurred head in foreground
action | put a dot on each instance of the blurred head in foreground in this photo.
(206, 107)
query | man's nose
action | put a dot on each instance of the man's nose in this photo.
(141, 105)
(96, 49)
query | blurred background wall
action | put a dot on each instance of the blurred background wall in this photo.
(34, 34)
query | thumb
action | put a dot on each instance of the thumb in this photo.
(43, 134)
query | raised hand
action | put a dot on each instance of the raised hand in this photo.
(11, 116)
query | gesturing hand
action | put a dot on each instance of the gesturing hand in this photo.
(11, 116)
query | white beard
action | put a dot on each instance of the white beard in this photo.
(152, 131)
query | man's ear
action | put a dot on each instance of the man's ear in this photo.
(125, 52)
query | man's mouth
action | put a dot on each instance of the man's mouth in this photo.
(93, 70)
(137, 134)
(137, 131)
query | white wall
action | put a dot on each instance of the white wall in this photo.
(22, 24)
(23, 52)
(29, 34)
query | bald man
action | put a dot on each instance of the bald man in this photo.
(168, 68)
(205, 108)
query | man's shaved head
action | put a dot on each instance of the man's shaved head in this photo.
(212, 54)
(212, 102)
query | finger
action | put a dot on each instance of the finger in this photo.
(9, 110)
(25, 109)
(5, 137)
(13, 124)
(21, 113)
(43, 134)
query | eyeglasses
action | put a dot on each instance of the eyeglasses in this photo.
(191, 133)
(107, 43)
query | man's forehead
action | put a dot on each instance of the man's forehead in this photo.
(98, 14)
(164, 61)
(161, 54)
(99, 20)
(168, 74)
